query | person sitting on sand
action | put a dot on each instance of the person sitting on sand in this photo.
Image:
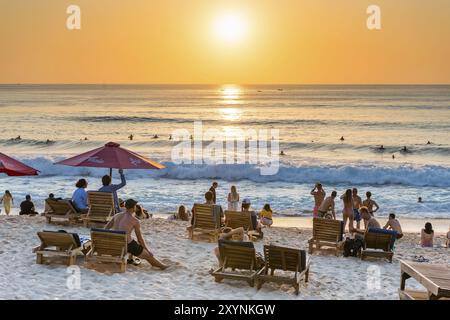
(233, 199)
(182, 214)
(357, 203)
(327, 205)
(79, 196)
(427, 236)
(266, 215)
(369, 203)
(319, 195)
(394, 224)
(8, 201)
(125, 221)
(237, 235)
(108, 187)
(27, 206)
(141, 213)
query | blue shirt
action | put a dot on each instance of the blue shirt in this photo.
(79, 199)
(113, 189)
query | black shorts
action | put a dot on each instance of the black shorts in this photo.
(135, 248)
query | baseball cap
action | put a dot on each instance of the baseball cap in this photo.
(130, 203)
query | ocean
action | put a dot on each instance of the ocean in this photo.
(309, 119)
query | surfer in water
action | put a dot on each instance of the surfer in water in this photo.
(282, 153)
(381, 148)
(342, 138)
(155, 136)
(131, 137)
(393, 156)
(405, 149)
(429, 142)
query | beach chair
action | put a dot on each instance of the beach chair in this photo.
(60, 245)
(237, 219)
(101, 208)
(326, 233)
(109, 247)
(206, 221)
(239, 262)
(286, 259)
(377, 244)
(61, 209)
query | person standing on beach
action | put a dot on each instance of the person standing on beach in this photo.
(108, 187)
(233, 199)
(319, 196)
(125, 221)
(357, 203)
(213, 191)
(369, 203)
(8, 201)
(347, 212)
(328, 205)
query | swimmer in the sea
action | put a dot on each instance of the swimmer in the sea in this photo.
(130, 137)
(405, 149)
(282, 153)
(155, 136)
(170, 137)
(381, 147)
(18, 138)
(420, 200)
(393, 156)
(429, 142)
(342, 138)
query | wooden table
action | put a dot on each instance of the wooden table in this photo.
(434, 277)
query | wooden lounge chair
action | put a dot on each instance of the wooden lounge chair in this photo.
(286, 259)
(326, 233)
(57, 245)
(239, 262)
(237, 219)
(108, 246)
(377, 244)
(101, 208)
(205, 222)
(61, 209)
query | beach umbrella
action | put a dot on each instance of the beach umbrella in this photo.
(111, 156)
(14, 167)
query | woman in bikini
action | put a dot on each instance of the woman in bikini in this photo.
(347, 212)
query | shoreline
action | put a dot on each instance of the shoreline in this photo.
(409, 225)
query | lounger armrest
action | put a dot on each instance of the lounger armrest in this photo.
(35, 249)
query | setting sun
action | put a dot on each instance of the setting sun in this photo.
(230, 28)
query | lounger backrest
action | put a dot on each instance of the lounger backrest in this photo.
(204, 217)
(286, 259)
(62, 240)
(60, 207)
(375, 240)
(109, 243)
(327, 229)
(101, 204)
(237, 254)
(236, 219)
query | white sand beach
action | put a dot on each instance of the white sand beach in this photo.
(331, 277)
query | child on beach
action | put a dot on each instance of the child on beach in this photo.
(233, 199)
(426, 236)
(266, 215)
(8, 201)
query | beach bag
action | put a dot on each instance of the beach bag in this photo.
(352, 247)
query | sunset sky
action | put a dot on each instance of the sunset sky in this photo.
(216, 42)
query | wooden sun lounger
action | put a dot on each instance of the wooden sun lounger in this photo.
(108, 247)
(59, 245)
(326, 233)
(377, 245)
(101, 208)
(286, 259)
(434, 277)
(239, 262)
(205, 222)
(237, 219)
(61, 209)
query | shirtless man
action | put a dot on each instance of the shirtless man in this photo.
(369, 203)
(319, 195)
(394, 224)
(125, 221)
(357, 203)
(328, 205)
(369, 220)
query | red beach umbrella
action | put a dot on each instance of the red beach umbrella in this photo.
(111, 155)
(13, 167)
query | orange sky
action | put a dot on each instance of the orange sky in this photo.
(173, 41)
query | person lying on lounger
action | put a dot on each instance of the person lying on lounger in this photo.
(125, 221)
